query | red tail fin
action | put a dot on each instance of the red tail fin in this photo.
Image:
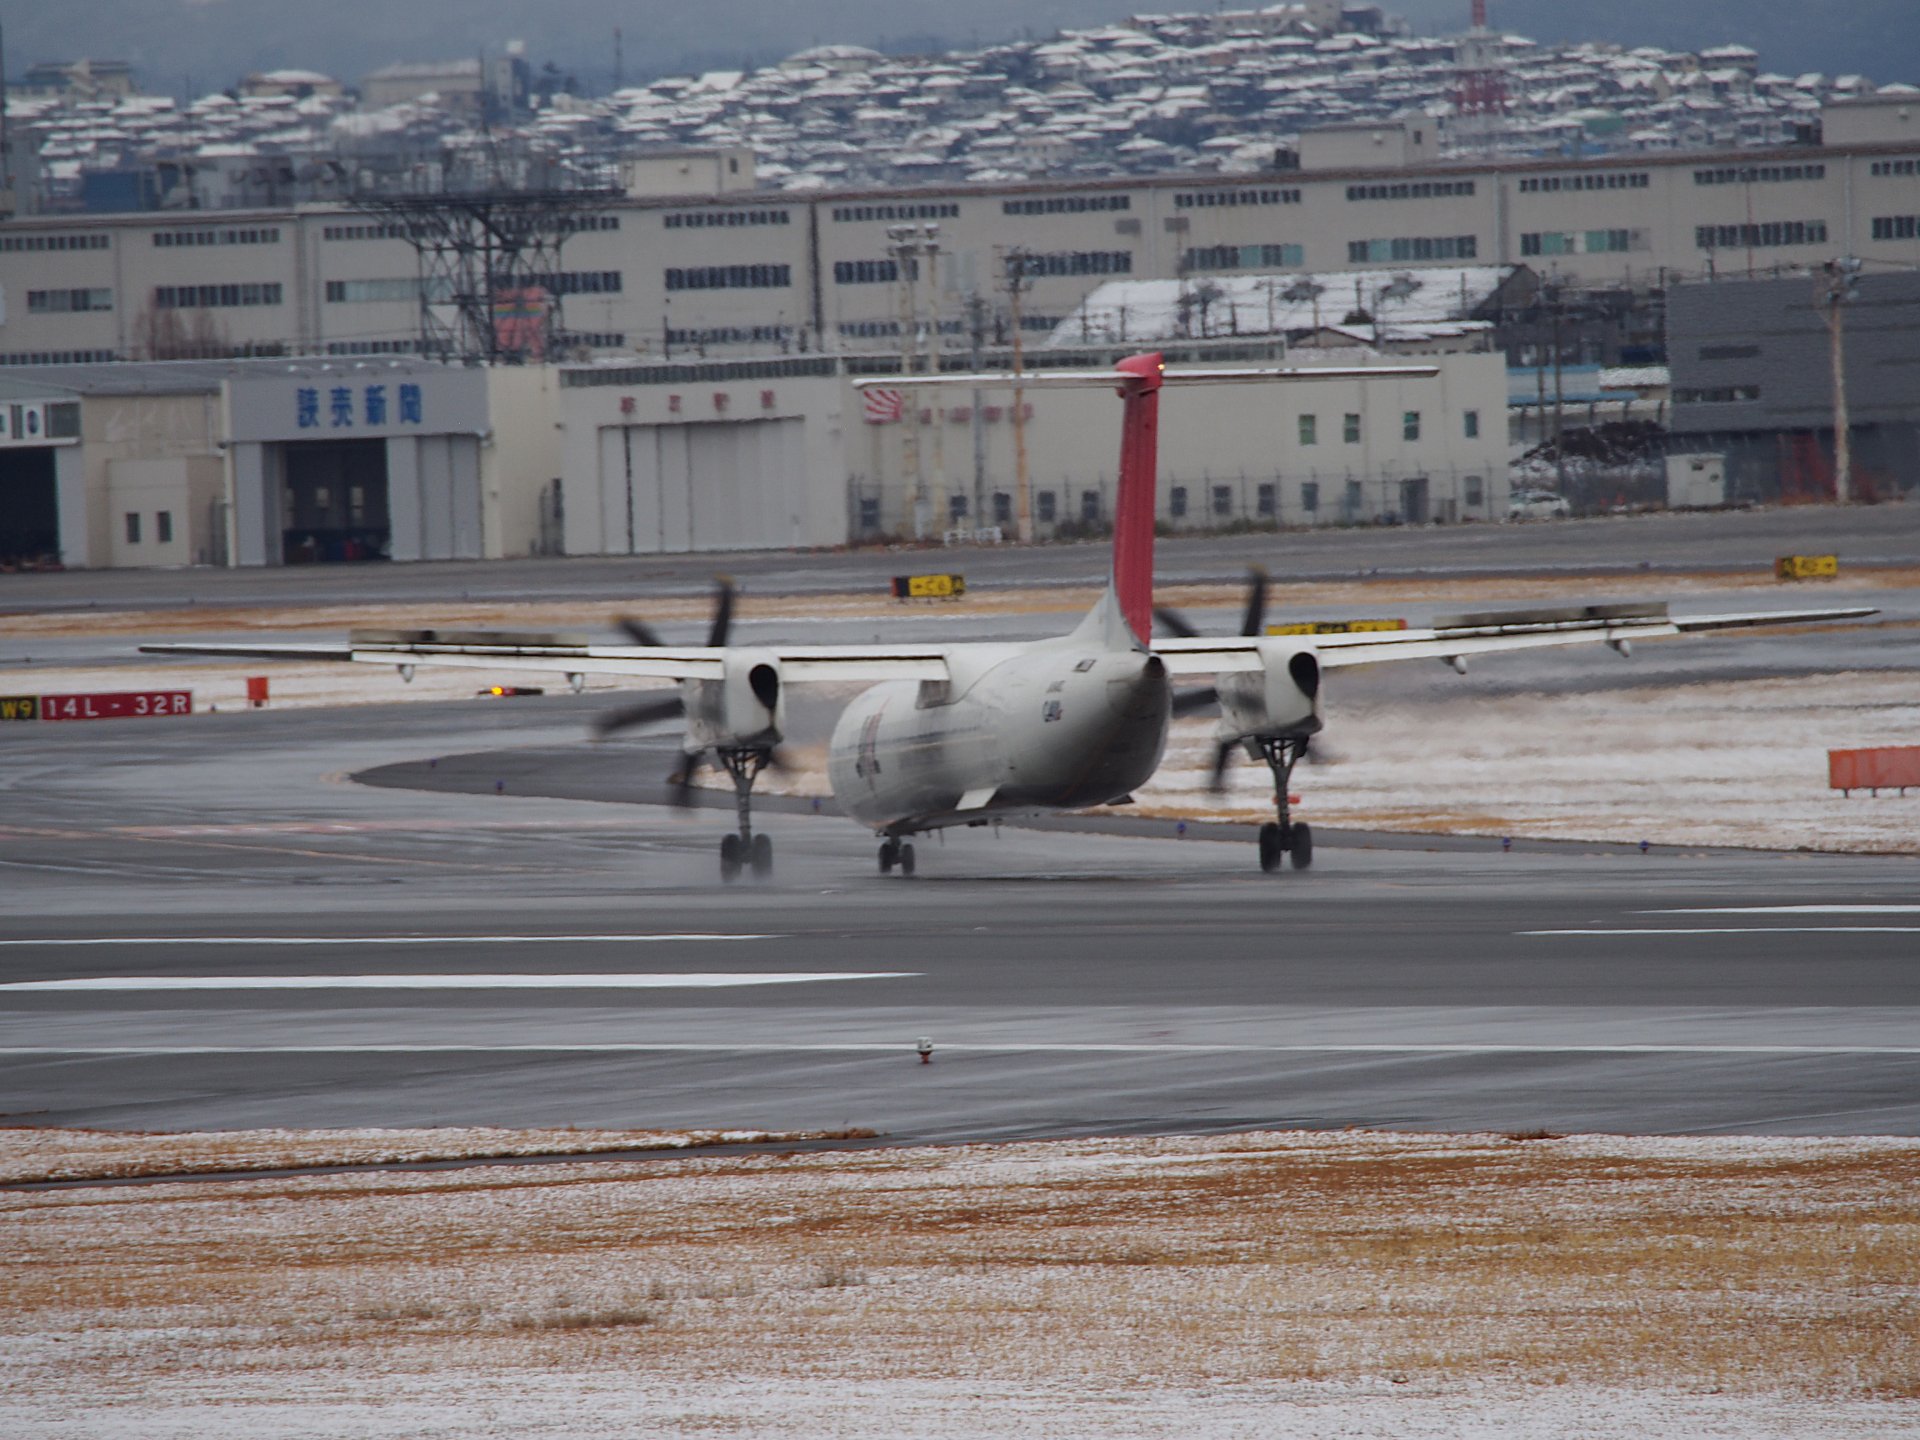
(1133, 514)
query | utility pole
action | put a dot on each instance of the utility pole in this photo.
(1018, 278)
(1559, 394)
(904, 248)
(977, 334)
(1841, 285)
(942, 509)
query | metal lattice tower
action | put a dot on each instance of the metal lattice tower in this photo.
(491, 282)
(1481, 97)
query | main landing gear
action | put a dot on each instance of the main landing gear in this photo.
(1285, 838)
(745, 850)
(896, 852)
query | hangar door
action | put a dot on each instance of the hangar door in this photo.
(29, 507)
(709, 486)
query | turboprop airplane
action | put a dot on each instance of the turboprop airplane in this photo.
(969, 733)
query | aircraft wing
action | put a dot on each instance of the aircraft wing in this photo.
(496, 651)
(1458, 636)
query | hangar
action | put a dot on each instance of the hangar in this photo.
(42, 501)
(275, 462)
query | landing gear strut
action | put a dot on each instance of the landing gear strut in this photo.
(1284, 839)
(745, 849)
(896, 852)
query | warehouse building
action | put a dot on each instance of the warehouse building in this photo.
(1753, 379)
(271, 463)
(726, 272)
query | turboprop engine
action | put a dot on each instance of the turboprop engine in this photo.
(745, 709)
(1280, 700)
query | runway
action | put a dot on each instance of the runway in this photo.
(210, 926)
(211, 922)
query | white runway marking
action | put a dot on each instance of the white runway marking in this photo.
(1790, 910)
(376, 939)
(711, 980)
(899, 1047)
(1747, 930)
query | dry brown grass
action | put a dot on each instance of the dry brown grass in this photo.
(1748, 1267)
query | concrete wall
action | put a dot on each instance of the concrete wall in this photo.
(150, 452)
(521, 457)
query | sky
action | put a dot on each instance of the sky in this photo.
(201, 45)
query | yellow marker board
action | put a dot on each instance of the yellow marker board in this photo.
(929, 587)
(1807, 567)
(1337, 627)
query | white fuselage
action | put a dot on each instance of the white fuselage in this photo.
(1059, 724)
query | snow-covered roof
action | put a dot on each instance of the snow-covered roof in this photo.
(1276, 302)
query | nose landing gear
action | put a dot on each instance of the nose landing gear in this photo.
(896, 852)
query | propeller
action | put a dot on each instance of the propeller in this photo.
(1252, 621)
(650, 711)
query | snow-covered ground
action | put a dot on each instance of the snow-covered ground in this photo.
(1347, 1284)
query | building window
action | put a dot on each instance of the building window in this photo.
(1619, 180)
(1411, 190)
(1243, 257)
(724, 219)
(1893, 227)
(1758, 174)
(12, 243)
(133, 527)
(1472, 422)
(1222, 500)
(1765, 236)
(1090, 506)
(1309, 429)
(1177, 502)
(1351, 430)
(1474, 492)
(1410, 425)
(1210, 199)
(214, 297)
(1310, 496)
(731, 277)
(1047, 507)
(1066, 204)
(1356, 499)
(67, 302)
(1079, 262)
(936, 210)
(1416, 248)
(1896, 167)
(163, 526)
(1266, 501)
(251, 235)
(869, 272)
(956, 508)
(1003, 508)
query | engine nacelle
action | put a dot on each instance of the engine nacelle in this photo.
(1279, 700)
(746, 708)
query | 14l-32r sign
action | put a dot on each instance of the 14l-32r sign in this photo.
(116, 705)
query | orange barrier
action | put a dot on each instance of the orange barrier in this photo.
(1891, 767)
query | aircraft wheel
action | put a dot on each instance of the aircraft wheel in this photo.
(1271, 847)
(762, 857)
(730, 857)
(906, 858)
(889, 853)
(1300, 846)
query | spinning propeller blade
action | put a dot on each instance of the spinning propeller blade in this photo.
(650, 711)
